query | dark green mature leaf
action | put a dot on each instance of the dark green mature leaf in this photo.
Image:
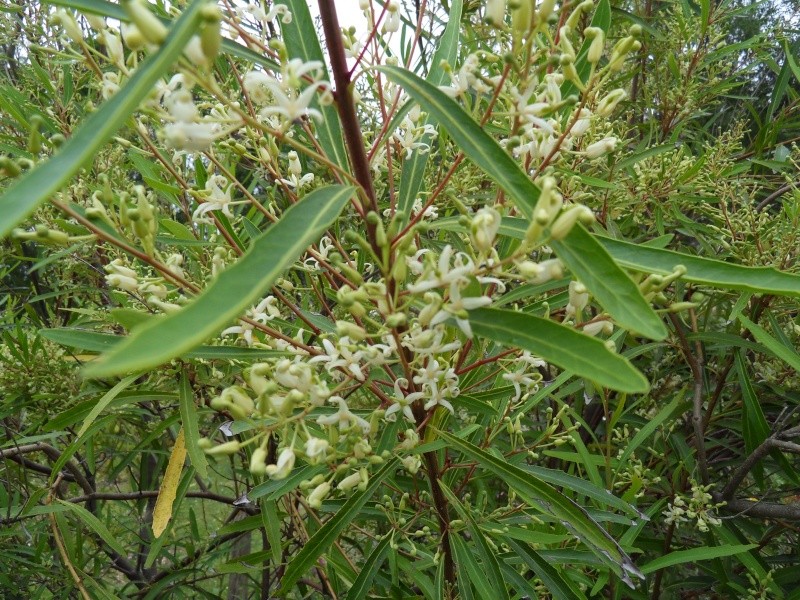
(702, 270)
(95, 525)
(472, 140)
(552, 579)
(411, 177)
(234, 290)
(543, 497)
(361, 586)
(583, 487)
(695, 555)
(101, 342)
(40, 184)
(567, 348)
(328, 533)
(645, 432)
(188, 410)
(707, 271)
(609, 284)
(300, 37)
(491, 567)
(787, 355)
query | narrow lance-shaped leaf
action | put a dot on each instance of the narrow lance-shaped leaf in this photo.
(707, 271)
(695, 555)
(608, 283)
(302, 42)
(787, 355)
(95, 525)
(233, 291)
(188, 410)
(567, 348)
(411, 177)
(361, 586)
(328, 533)
(555, 583)
(39, 184)
(490, 564)
(543, 497)
(472, 140)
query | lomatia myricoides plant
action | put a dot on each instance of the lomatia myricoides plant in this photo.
(368, 254)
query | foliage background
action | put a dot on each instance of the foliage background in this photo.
(708, 167)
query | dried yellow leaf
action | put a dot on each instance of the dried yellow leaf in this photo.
(169, 487)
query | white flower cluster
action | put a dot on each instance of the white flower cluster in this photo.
(699, 508)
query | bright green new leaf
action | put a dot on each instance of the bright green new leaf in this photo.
(40, 184)
(590, 263)
(563, 346)
(232, 292)
(546, 499)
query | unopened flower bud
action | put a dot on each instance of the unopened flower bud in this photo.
(495, 12)
(349, 482)
(598, 38)
(600, 148)
(608, 103)
(149, 25)
(316, 497)
(566, 221)
(258, 462)
(224, 449)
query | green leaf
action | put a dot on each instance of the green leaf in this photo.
(302, 41)
(95, 525)
(695, 555)
(188, 411)
(472, 140)
(101, 342)
(645, 432)
(361, 586)
(567, 348)
(702, 270)
(552, 579)
(40, 184)
(706, 271)
(103, 402)
(787, 355)
(233, 291)
(582, 487)
(493, 576)
(608, 283)
(543, 497)
(328, 533)
(411, 177)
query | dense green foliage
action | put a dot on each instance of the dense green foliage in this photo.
(487, 301)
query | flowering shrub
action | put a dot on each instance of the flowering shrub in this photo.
(367, 285)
